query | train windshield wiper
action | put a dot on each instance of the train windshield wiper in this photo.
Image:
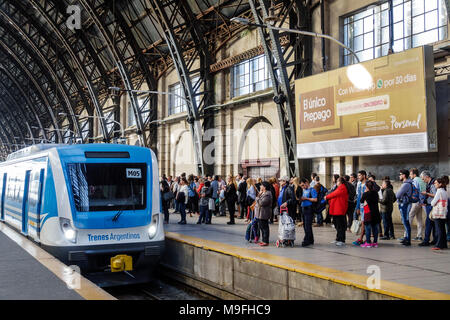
(118, 214)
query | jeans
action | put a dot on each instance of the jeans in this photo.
(388, 225)
(404, 211)
(165, 208)
(429, 226)
(307, 225)
(319, 217)
(369, 228)
(183, 211)
(203, 213)
(263, 226)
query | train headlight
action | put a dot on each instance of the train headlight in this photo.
(153, 226)
(67, 229)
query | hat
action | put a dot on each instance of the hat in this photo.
(284, 178)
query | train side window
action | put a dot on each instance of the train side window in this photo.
(34, 188)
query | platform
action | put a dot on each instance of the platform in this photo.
(405, 272)
(29, 273)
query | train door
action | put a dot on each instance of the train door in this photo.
(25, 203)
(2, 204)
(35, 197)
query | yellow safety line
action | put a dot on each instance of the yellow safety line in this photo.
(393, 289)
(87, 290)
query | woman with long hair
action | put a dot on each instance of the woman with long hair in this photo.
(372, 216)
(251, 196)
(439, 213)
(231, 197)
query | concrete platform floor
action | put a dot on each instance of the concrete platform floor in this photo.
(414, 266)
(27, 272)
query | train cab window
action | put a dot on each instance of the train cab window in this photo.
(108, 186)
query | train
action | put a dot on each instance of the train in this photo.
(93, 206)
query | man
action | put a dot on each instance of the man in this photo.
(287, 199)
(360, 189)
(351, 189)
(404, 204)
(309, 196)
(313, 179)
(215, 192)
(417, 208)
(222, 187)
(242, 195)
(354, 180)
(429, 195)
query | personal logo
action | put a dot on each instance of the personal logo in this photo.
(380, 84)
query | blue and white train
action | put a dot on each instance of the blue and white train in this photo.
(96, 206)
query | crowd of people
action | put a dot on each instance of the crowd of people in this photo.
(354, 202)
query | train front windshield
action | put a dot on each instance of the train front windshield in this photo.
(108, 186)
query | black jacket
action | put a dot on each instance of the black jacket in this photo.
(230, 193)
(371, 197)
(242, 188)
(291, 201)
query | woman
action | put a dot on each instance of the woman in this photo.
(164, 187)
(276, 188)
(298, 191)
(183, 198)
(263, 210)
(251, 196)
(231, 197)
(333, 188)
(439, 213)
(372, 216)
(386, 208)
(258, 185)
(338, 201)
(205, 195)
(193, 196)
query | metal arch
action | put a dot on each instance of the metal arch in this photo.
(38, 88)
(55, 78)
(93, 94)
(149, 79)
(27, 100)
(12, 118)
(184, 75)
(121, 66)
(69, 70)
(14, 102)
(281, 86)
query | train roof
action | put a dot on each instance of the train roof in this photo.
(37, 148)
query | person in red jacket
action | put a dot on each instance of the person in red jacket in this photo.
(338, 201)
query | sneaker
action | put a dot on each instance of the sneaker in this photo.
(340, 244)
(182, 222)
(334, 242)
(418, 239)
(401, 239)
(374, 245)
(357, 242)
(406, 244)
(199, 222)
(366, 245)
(385, 238)
(424, 244)
(229, 222)
(435, 248)
(263, 244)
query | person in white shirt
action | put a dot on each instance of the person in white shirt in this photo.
(182, 201)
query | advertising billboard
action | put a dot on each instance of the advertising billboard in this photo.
(382, 106)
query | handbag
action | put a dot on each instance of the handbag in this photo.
(211, 204)
(356, 227)
(367, 215)
(439, 211)
(167, 196)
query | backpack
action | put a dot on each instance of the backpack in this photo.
(351, 192)
(414, 197)
(319, 206)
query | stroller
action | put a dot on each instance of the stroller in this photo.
(286, 230)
